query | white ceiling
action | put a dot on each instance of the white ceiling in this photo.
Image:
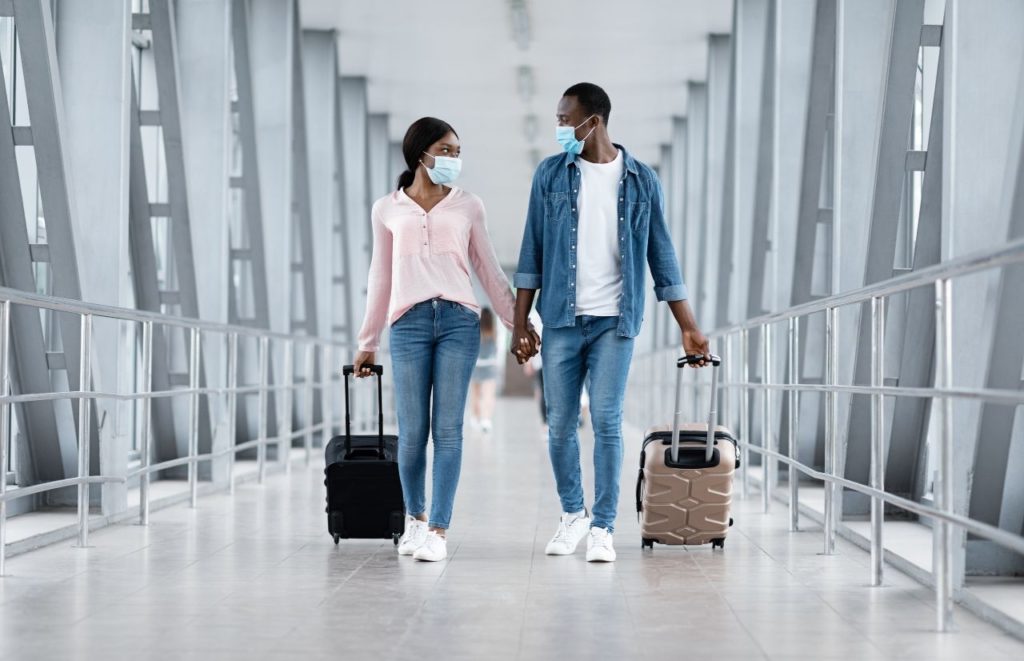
(458, 60)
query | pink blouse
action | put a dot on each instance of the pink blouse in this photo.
(418, 256)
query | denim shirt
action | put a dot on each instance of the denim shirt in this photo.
(547, 259)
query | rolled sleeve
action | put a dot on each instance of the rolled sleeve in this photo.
(526, 280)
(671, 293)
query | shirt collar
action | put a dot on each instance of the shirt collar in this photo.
(628, 161)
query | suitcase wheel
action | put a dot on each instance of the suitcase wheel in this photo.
(718, 543)
(647, 543)
(395, 537)
(337, 538)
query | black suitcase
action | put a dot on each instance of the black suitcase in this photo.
(364, 491)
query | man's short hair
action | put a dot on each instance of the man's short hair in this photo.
(592, 98)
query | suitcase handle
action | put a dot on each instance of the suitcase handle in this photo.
(348, 370)
(691, 359)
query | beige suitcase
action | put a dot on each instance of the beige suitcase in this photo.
(684, 488)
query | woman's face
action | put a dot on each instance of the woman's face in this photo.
(446, 146)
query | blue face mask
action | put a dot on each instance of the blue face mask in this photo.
(446, 169)
(566, 136)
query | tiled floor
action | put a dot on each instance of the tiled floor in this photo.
(256, 576)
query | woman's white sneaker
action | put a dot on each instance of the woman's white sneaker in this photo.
(571, 529)
(413, 537)
(434, 548)
(599, 546)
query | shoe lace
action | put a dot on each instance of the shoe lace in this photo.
(562, 535)
(601, 539)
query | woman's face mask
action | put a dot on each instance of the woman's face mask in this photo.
(446, 169)
(566, 136)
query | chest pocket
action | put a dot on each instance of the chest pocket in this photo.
(640, 216)
(448, 233)
(556, 207)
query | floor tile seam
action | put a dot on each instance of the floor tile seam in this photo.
(736, 618)
(529, 582)
(800, 579)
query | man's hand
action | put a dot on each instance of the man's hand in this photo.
(695, 344)
(363, 358)
(525, 343)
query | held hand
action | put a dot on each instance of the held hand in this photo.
(695, 344)
(525, 343)
(363, 358)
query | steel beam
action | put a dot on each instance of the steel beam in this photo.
(95, 66)
(28, 367)
(890, 177)
(356, 219)
(203, 29)
(715, 173)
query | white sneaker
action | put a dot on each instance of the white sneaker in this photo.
(485, 426)
(413, 537)
(599, 546)
(571, 529)
(434, 548)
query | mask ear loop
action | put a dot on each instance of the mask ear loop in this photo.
(581, 124)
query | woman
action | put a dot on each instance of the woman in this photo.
(425, 237)
(485, 375)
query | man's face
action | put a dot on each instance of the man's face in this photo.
(571, 113)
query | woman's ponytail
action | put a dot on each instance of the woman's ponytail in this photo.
(405, 179)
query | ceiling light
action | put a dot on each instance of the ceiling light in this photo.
(519, 17)
(525, 83)
(530, 125)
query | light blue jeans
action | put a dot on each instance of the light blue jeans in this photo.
(434, 347)
(594, 351)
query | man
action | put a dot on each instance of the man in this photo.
(595, 215)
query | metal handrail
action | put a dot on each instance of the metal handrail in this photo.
(944, 393)
(196, 327)
(73, 306)
(1006, 255)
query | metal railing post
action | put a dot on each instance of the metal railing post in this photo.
(310, 372)
(942, 531)
(284, 441)
(768, 464)
(193, 419)
(84, 424)
(328, 395)
(232, 382)
(877, 437)
(5, 425)
(831, 425)
(726, 395)
(261, 448)
(147, 407)
(794, 424)
(745, 410)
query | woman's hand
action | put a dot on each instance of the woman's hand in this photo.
(525, 343)
(363, 358)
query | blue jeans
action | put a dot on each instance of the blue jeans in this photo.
(434, 347)
(591, 350)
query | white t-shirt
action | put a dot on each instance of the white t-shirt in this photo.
(598, 266)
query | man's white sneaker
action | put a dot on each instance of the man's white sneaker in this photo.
(413, 537)
(599, 546)
(571, 529)
(434, 548)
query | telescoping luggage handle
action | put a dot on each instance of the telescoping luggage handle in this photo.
(716, 361)
(379, 371)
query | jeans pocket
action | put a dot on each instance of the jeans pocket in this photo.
(466, 312)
